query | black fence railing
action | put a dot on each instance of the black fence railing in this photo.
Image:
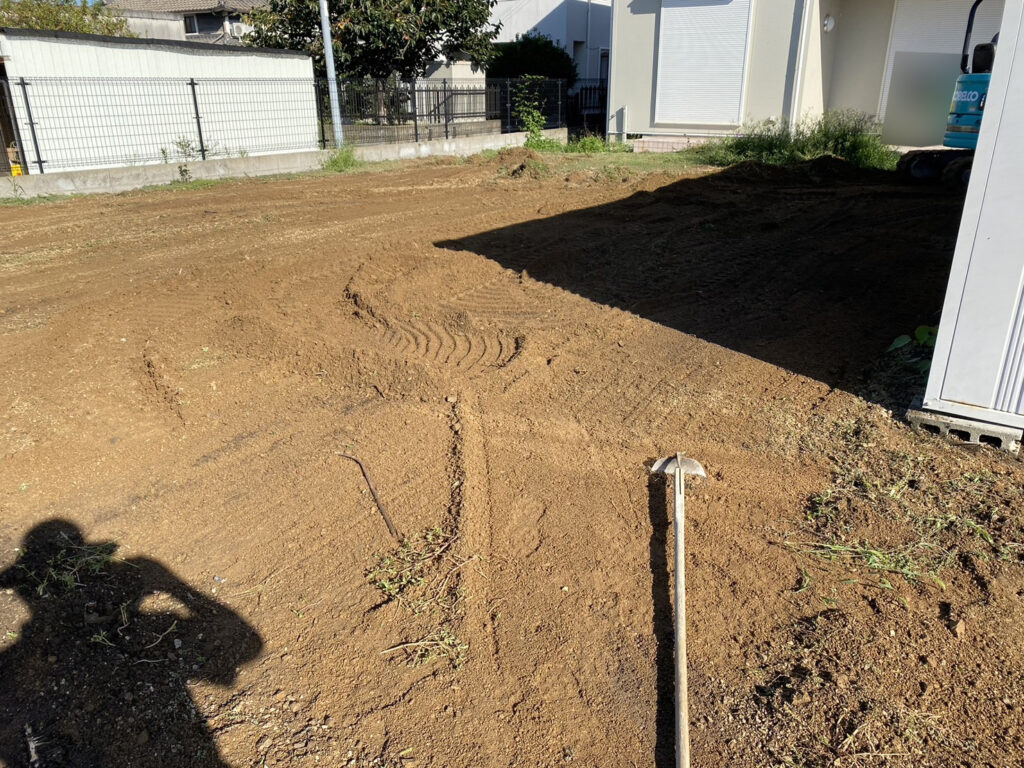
(57, 124)
(588, 106)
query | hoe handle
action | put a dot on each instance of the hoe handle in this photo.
(682, 705)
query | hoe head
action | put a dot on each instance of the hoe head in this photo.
(670, 464)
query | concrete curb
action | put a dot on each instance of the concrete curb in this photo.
(109, 180)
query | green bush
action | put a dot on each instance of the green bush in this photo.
(848, 134)
(341, 160)
(592, 145)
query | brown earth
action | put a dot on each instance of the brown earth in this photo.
(505, 351)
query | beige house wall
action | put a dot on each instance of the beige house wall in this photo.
(795, 68)
(773, 50)
(862, 44)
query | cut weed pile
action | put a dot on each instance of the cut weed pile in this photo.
(422, 576)
(913, 549)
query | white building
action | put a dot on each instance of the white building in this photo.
(580, 27)
(201, 21)
(89, 101)
(705, 67)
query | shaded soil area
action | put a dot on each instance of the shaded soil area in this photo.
(188, 563)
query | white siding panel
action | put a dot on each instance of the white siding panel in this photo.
(702, 55)
(937, 26)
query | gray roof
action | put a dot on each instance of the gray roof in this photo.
(188, 6)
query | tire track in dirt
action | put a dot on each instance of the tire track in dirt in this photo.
(471, 351)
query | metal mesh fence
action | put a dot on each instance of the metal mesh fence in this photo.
(58, 124)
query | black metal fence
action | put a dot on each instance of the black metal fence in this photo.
(588, 106)
(57, 124)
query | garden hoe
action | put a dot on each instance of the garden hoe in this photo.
(679, 467)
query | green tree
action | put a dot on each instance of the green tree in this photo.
(62, 16)
(379, 38)
(532, 54)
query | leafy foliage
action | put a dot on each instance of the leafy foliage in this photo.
(63, 16)
(379, 38)
(532, 54)
(847, 134)
(341, 160)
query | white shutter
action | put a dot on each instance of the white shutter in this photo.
(702, 56)
(937, 26)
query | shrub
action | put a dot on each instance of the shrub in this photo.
(850, 135)
(341, 160)
(592, 145)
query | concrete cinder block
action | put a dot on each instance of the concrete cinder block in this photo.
(966, 431)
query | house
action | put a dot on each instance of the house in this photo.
(694, 68)
(580, 27)
(201, 21)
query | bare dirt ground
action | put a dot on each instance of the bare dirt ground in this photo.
(505, 345)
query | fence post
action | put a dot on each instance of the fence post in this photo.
(508, 105)
(318, 94)
(415, 112)
(199, 127)
(444, 92)
(9, 102)
(561, 84)
(31, 122)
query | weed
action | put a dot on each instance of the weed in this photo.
(62, 572)
(593, 145)
(422, 574)
(395, 573)
(900, 562)
(440, 644)
(341, 160)
(850, 135)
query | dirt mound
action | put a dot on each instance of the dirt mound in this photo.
(518, 161)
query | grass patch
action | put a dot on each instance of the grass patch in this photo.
(341, 160)
(846, 134)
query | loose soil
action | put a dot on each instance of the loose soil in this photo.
(192, 575)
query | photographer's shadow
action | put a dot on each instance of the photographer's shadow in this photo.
(97, 676)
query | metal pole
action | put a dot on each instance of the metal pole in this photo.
(415, 112)
(31, 122)
(682, 689)
(199, 125)
(444, 90)
(508, 105)
(318, 95)
(14, 123)
(332, 76)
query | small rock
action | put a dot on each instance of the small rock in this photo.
(177, 643)
(263, 743)
(451, 399)
(960, 629)
(143, 737)
(51, 659)
(842, 682)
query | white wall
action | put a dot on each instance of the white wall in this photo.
(100, 103)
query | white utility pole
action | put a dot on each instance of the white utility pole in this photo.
(332, 77)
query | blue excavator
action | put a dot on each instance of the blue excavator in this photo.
(953, 165)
